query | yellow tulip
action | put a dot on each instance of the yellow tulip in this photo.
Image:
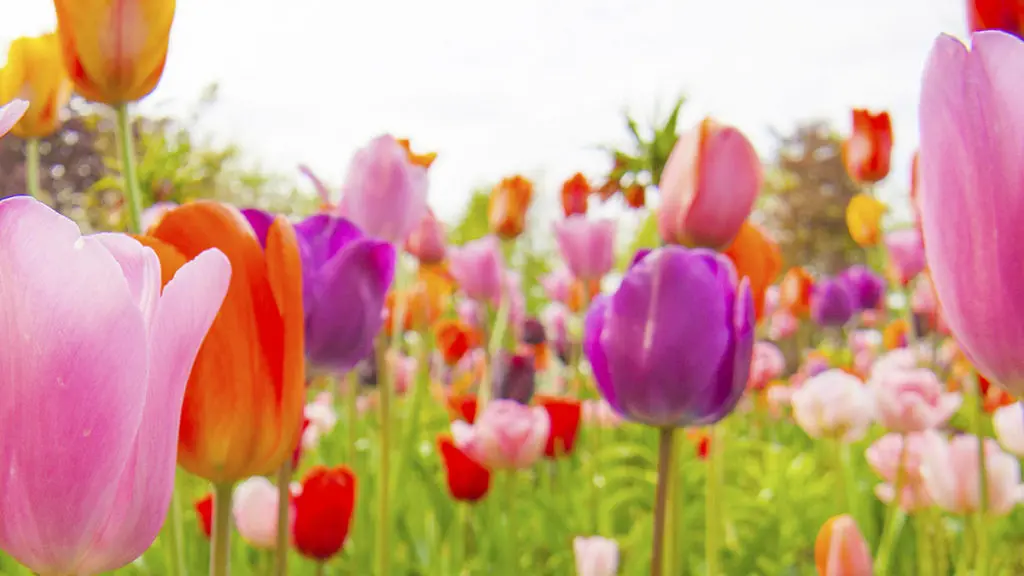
(864, 219)
(114, 50)
(34, 72)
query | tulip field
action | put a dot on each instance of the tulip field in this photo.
(351, 385)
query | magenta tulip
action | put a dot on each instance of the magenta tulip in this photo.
(587, 246)
(478, 269)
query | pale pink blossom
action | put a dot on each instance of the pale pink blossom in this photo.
(841, 549)
(782, 325)
(884, 457)
(912, 400)
(505, 436)
(322, 419)
(833, 404)
(767, 364)
(1009, 424)
(950, 472)
(779, 399)
(599, 413)
(254, 507)
(596, 556)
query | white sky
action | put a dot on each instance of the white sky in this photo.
(531, 86)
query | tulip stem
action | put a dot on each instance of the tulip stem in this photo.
(321, 569)
(458, 546)
(510, 512)
(132, 193)
(665, 478)
(922, 528)
(981, 559)
(352, 413)
(174, 537)
(893, 523)
(494, 345)
(32, 168)
(284, 478)
(384, 471)
(220, 539)
(712, 510)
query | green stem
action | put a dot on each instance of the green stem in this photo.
(321, 569)
(924, 553)
(220, 538)
(352, 414)
(383, 473)
(511, 537)
(421, 387)
(940, 543)
(458, 547)
(665, 478)
(713, 516)
(981, 562)
(591, 472)
(893, 523)
(284, 478)
(173, 533)
(845, 503)
(494, 346)
(32, 168)
(671, 518)
(132, 194)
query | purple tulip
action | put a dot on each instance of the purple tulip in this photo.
(478, 270)
(673, 345)
(345, 279)
(639, 256)
(866, 287)
(514, 377)
(587, 246)
(832, 303)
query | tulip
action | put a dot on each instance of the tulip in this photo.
(831, 303)
(596, 556)
(1008, 422)
(893, 363)
(866, 287)
(894, 336)
(478, 269)
(906, 254)
(454, 339)
(600, 413)
(425, 301)
(756, 258)
(463, 407)
(951, 476)
(403, 370)
(1005, 15)
(575, 191)
(35, 72)
(782, 325)
(385, 194)
(468, 480)
(565, 415)
(992, 397)
(833, 404)
(587, 246)
(427, 240)
(555, 318)
(513, 377)
(889, 459)
(11, 113)
(766, 365)
(323, 512)
(864, 219)
(970, 193)
(114, 51)
(672, 346)
(204, 514)
(913, 401)
(868, 150)
(635, 195)
(243, 406)
(507, 435)
(254, 508)
(840, 549)
(779, 398)
(321, 418)
(795, 292)
(94, 368)
(509, 202)
(422, 160)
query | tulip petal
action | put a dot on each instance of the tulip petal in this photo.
(735, 369)
(10, 113)
(71, 375)
(594, 350)
(141, 269)
(260, 221)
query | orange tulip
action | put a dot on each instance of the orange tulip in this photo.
(581, 294)
(114, 50)
(574, 195)
(895, 334)
(864, 219)
(424, 160)
(635, 196)
(35, 72)
(454, 339)
(795, 292)
(868, 150)
(510, 200)
(756, 257)
(840, 549)
(425, 301)
(243, 405)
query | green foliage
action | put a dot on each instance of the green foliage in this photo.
(473, 224)
(650, 149)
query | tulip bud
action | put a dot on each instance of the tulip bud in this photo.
(868, 150)
(35, 71)
(575, 191)
(427, 240)
(831, 303)
(840, 549)
(864, 219)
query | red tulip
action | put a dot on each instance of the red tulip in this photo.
(868, 150)
(323, 512)
(204, 512)
(1005, 15)
(468, 480)
(463, 407)
(565, 416)
(574, 195)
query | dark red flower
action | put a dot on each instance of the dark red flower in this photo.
(565, 423)
(462, 407)
(204, 512)
(323, 512)
(468, 480)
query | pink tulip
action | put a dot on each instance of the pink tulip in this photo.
(779, 399)
(596, 556)
(11, 113)
(385, 194)
(586, 245)
(906, 254)
(92, 375)
(782, 325)
(841, 550)
(404, 370)
(1009, 424)
(427, 240)
(969, 213)
(885, 455)
(555, 317)
(512, 291)
(771, 300)
(708, 186)
(558, 285)
(469, 312)
(599, 413)
(767, 364)
(896, 361)
(322, 419)
(477, 268)
(505, 436)
(922, 299)
(950, 472)
(254, 507)
(913, 400)
(833, 404)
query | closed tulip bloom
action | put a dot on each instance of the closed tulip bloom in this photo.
(831, 303)
(672, 346)
(385, 194)
(866, 287)
(243, 407)
(913, 400)
(833, 404)
(1008, 422)
(254, 508)
(35, 72)
(10, 113)
(114, 51)
(888, 458)
(92, 374)
(587, 246)
(558, 285)
(951, 475)
(906, 254)
(868, 150)
(756, 257)
(575, 192)
(463, 406)
(507, 435)
(468, 480)
(509, 203)
(596, 556)
(478, 269)
(565, 415)
(864, 219)
(970, 194)
(840, 549)
(427, 240)
(1005, 15)
(708, 186)
(323, 512)
(454, 339)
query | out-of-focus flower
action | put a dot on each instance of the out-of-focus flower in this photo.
(555, 317)
(913, 400)
(866, 287)
(893, 362)
(403, 370)
(950, 472)
(463, 406)
(672, 346)
(427, 240)
(885, 456)
(708, 186)
(565, 415)
(243, 405)
(10, 113)
(756, 257)
(575, 191)
(468, 480)
(510, 200)
(506, 435)
(322, 419)
(1008, 422)
(1007, 16)
(600, 413)
(92, 374)
(114, 51)
(35, 72)
(795, 292)
(513, 377)
(767, 364)
(557, 284)
(385, 194)
(831, 303)
(906, 254)
(254, 507)
(864, 219)
(779, 399)
(894, 336)
(840, 549)
(596, 556)
(782, 325)
(323, 512)
(204, 514)
(868, 150)
(701, 441)
(424, 160)
(587, 246)
(478, 269)
(454, 339)
(424, 302)
(833, 404)
(635, 195)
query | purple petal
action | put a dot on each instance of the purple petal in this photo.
(594, 351)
